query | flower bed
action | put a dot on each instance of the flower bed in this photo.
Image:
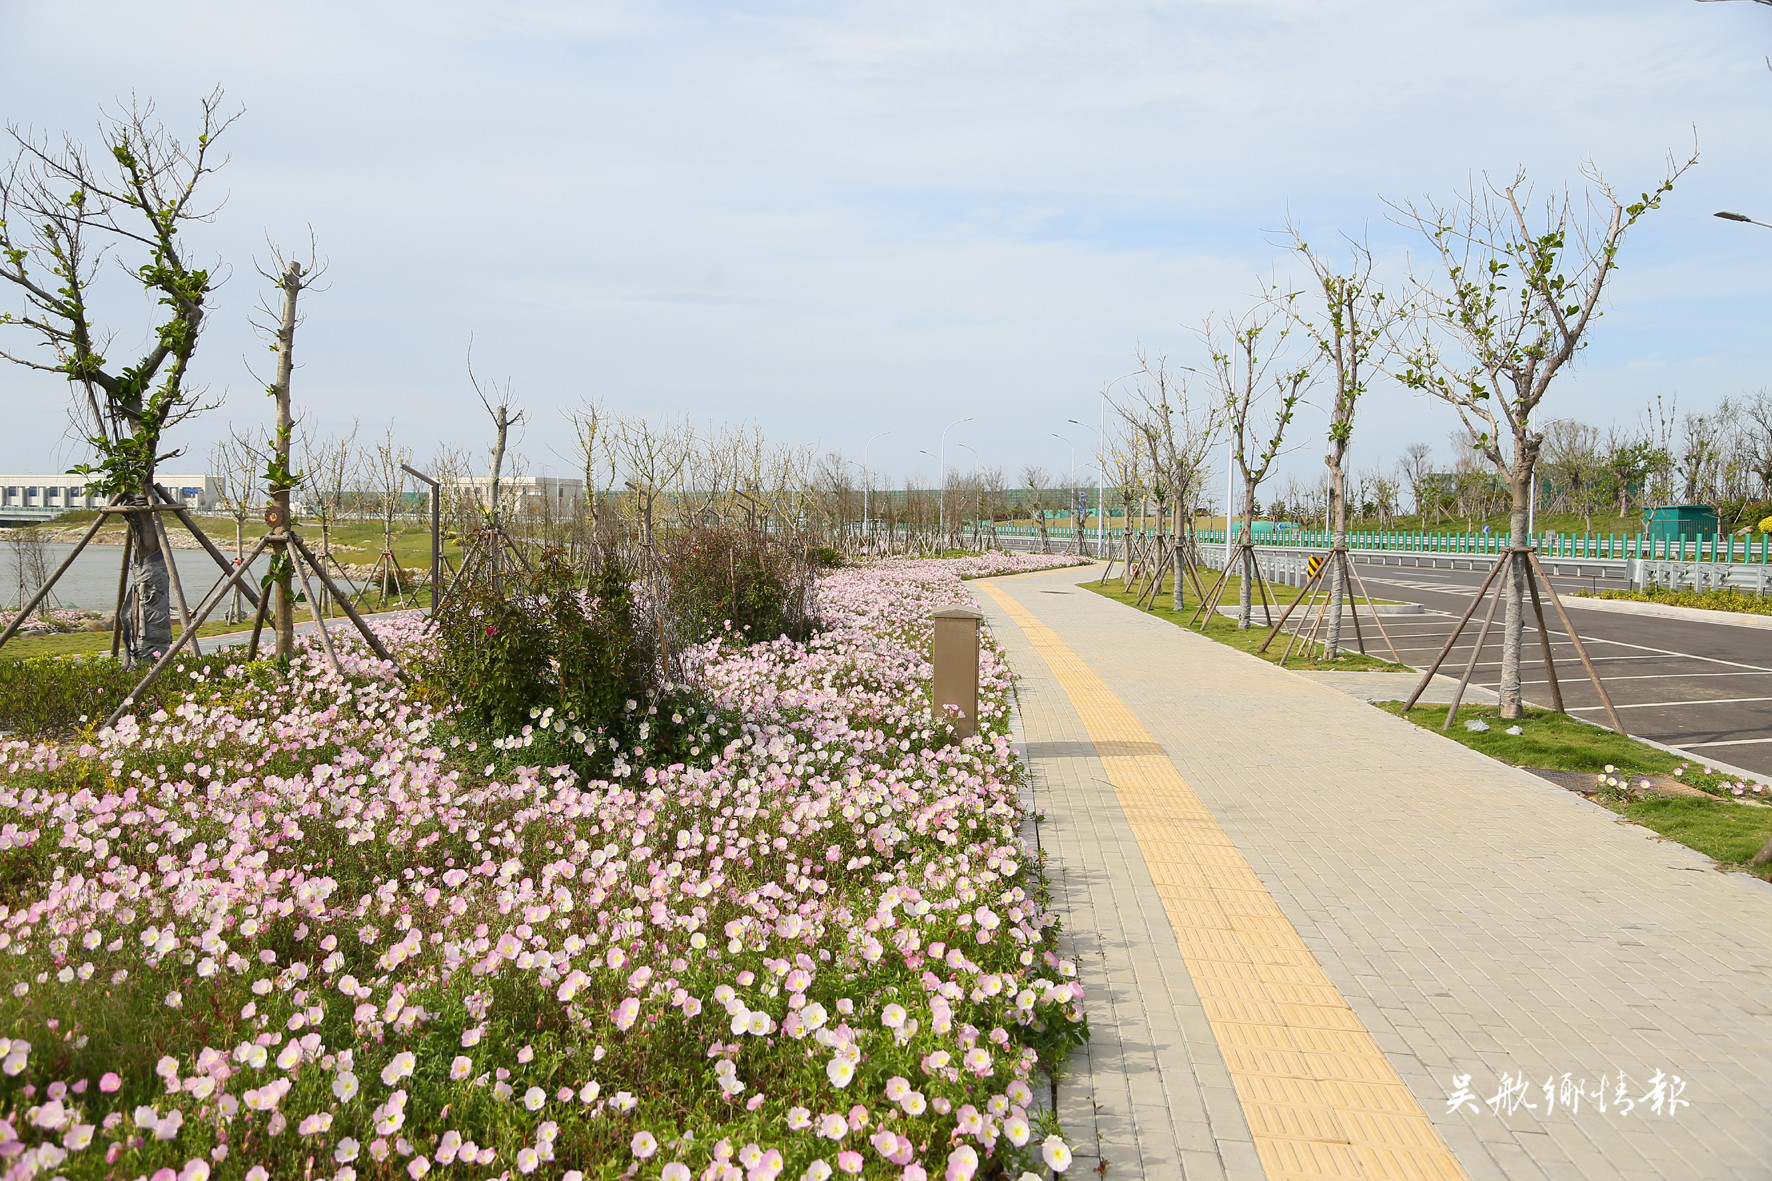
(295, 927)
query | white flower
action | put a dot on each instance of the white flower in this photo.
(527, 1160)
(840, 1071)
(1056, 1154)
(344, 1086)
(893, 1016)
(534, 1097)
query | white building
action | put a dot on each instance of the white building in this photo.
(556, 496)
(40, 497)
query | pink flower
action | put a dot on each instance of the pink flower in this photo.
(849, 1161)
(110, 1081)
(625, 1013)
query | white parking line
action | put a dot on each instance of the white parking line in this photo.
(1667, 704)
(1727, 742)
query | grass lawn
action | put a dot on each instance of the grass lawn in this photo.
(1723, 830)
(1224, 629)
(1548, 739)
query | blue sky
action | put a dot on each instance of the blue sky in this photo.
(839, 219)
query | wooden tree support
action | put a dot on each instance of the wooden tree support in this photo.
(1336, 563)
(304, 561)
(167, 505)
(1510, 562)
(1243, 551)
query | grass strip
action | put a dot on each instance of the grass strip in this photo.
(1224, 629)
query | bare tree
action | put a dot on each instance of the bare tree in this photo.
(1351, 323)
(234, 464)
(61, 214)
(1415, 467)
(498, 400)
(1250, 375)
(281, 478)
(1038, 481)
(1509, 312)
(590, 431)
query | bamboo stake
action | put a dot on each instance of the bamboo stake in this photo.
(1309, 637)
(122, 595)
(368, 634)
(1396, 658)
(1544, 644)
(221, 559)
(1470, 665)
(209, 604)
(49, 583)
(314, 609)
(1580, 648)
(258, 624)
(1287, 614)
(1451, 640)
(178, 586)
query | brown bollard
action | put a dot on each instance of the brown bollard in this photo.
(955, 657)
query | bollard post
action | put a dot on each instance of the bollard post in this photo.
(955, 657)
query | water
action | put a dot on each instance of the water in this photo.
(91, 583)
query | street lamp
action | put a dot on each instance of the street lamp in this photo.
(942, 492)
(1071, 491)
(1727, 216)
(1100, 472)
(866, 484)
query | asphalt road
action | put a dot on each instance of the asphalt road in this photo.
(1705, 688)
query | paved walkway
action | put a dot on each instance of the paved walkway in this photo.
(1306, 927)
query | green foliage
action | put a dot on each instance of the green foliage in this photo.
(566, 676)
(741, 583)
(53, 696)
(1724, 599)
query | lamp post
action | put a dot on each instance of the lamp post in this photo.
(1071, 491)
(866, 483)
(1100, 473)
(942, 492)
(1727, 216)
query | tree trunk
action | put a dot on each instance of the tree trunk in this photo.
(239, 611)
(148, 624)
(1513, 587)
(1336, 575)
(1245, 592)
(285, 588)
(503, 424)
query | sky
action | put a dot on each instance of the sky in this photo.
(841, 219)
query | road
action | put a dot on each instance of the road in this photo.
(1705, 688)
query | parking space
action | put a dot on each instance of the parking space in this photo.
(1704, 688)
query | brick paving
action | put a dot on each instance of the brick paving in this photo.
(1476, 920)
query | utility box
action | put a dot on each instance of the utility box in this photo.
(1670, 522)
(954, 655)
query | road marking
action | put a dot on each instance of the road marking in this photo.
(1667, 704)
(1320, 1097)
(1727, 742)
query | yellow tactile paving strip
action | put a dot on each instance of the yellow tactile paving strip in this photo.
(1320, 1097)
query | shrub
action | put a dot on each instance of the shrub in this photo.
(573, 676)
(745, 583)
(50, 696)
